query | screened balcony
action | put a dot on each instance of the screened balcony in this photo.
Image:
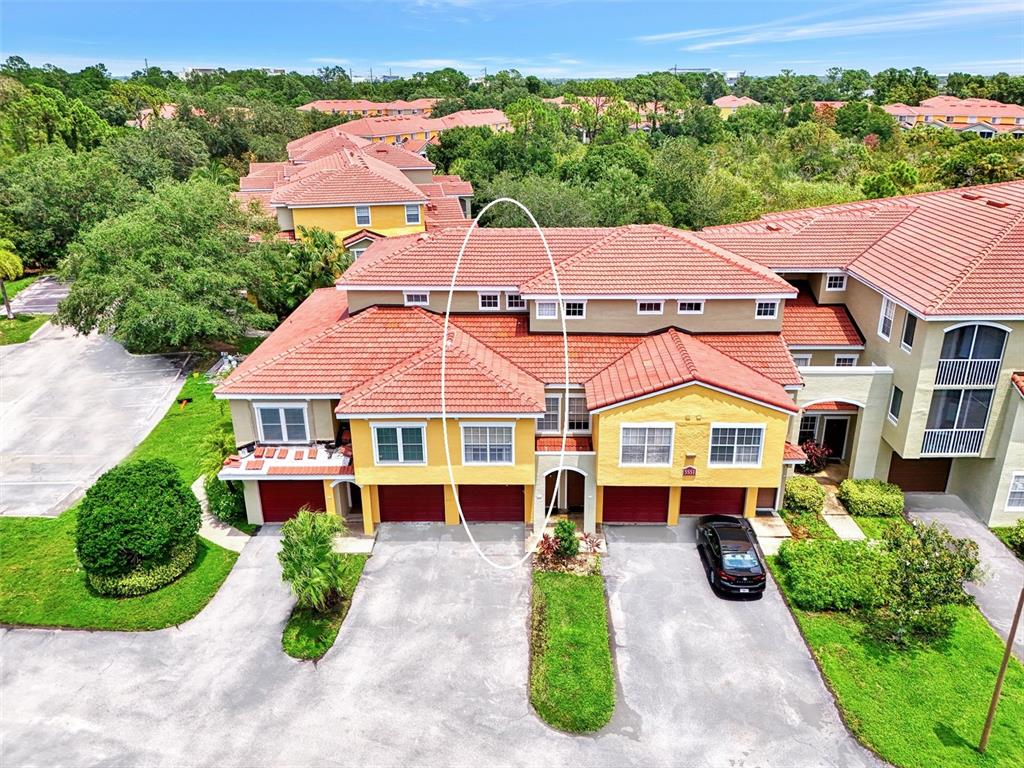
(971, 356)
(956, 422)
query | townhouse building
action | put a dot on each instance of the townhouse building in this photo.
(728, 104)
(366, 108)
(985, 117)
(404, 128)
(695, 366)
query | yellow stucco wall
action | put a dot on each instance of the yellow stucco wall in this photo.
(388, 220)
(435, 471)
(692, 410)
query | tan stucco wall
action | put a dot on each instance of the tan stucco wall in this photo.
(462, 301)
(419, 175)
(319, 414)
(620, 316)
(827, 356)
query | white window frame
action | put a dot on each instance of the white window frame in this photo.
(508, 302)
(774, 303)
(698, 311)
(511, 425)
(558, 419)
(734, 464)
(568, 416)
(649, 425)
(369, 216)
(839, 357)
(410, 303)
(887, 312)
(894, 418)
(802, 356)
(399, 426)
(553, 305)
(830, 278)
(357, 252)
(489, 294)
(903, 334)
(417, 219)
(583, 305)
(659, 311)
(799, 427)
(280, 407)
(1015, 477)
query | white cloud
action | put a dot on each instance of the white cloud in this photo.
(328, 60)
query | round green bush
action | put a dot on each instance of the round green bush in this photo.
(872, 498)
(804, 495)
(146, 578)
(136, 516)
(223, 501)
(1016, 538)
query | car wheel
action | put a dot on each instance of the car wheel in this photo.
(711, 578)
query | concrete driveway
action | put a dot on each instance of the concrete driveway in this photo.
(71, 407)
(40, 298)
(998, 592)
(430, 668)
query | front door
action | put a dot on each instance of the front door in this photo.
(834, 436)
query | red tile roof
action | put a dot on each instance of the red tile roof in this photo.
(805, 322)
(401, 158)
(952, 252)
(397, 125)
(735, 101)
(573, 443)
(359, 105)
(1017, 379)
(793, 454)
(831, 406)
(443, 212)
(313, 146)
(346, 177)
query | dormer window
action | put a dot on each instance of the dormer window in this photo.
(835, 283)
(690, 308)
(576, 309)
(416, 298)
(766, 310)
(412, 214)
(547, 310)
(650, 307)
(514, 302)
(489, 302)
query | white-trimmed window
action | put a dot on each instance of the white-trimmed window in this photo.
(489, 302)
(650, 307)
(551, 420)
(487, 443)
(885, 319)
(802, 359)
(282, 423)
(362, 215)
(766, 310)
(835, 283)
(399, 443)
(646, 444)
(412, 214)
(808, 429)
(846, 361)
(736, 445)
(416, 298)
(514, 302)
(690, 308)
(546, 310)
(579, 416)
(909, 329)
(357, 252)
(575, 309)
(1015, 498)
(895, 404)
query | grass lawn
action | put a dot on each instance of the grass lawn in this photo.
(572, 685)
(1003, 534)
(807, 526)
(308, 634)
(924, 706)
(42, 583)
(874, 527)
(20, 328)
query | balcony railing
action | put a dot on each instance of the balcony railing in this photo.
(967, 373)
(952, 442)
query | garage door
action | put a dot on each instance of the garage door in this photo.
(282, 499)
(635, 504)
(411, 503)
(492, 503)
(711, 501)
(919, 474)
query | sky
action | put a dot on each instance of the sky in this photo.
(547, 38)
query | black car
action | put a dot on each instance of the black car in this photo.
(726, 547)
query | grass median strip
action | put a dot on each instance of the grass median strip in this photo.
(310, 634)
(21, 328)
(572, 684)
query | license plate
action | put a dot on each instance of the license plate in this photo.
(744, 590)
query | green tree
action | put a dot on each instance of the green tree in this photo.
(11, 268)
(308, 560)
(982, 161)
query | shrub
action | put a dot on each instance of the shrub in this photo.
(146, 578)
(308, 560)
(817, 458)
(224, 502)
(567, 545)
(1015, 538)
(871, 498)
(136, 516)
(804, 495)
(833, 575)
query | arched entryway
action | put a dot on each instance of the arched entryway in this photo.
(571, 491)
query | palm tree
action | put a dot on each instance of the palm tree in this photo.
(216, 172)
(11, 268)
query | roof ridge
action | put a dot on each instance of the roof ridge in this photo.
(715, 250)
(614, 234)
(681, 346)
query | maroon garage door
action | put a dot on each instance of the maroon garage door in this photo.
(919, 474)
(634, 504)
(711, 501)
(411, 503)
(492, 503)
(282, 499)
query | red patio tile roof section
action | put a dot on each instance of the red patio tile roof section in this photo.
(953, 252)
(672, 359)
(346, 177)
(307, 469)
(1017, 379)
(805, 322)
(831, 406)
(793, 454)
(574, 443)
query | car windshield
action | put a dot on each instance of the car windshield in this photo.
(746, 559)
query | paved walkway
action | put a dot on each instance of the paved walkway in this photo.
(997, 595)
(430, 668)
(40, 298)
(71, 407)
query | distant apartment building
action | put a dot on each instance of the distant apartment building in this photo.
(365, 108)
(727, 105)
(402, 128)
(984, 117)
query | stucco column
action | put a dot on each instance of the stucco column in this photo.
(750, 503)
(451, 509)
(590, 496)
(674, 492)
(366, 494)
(599, 510)
(527, 504)
(253, 505)
(329, 506)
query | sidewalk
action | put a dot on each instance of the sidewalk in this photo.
(40, 298)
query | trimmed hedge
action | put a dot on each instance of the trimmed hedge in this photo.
(804, 495)
(833, 575)
(146, 578)
(1015, 538)
(871, 498)
(223, 502)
